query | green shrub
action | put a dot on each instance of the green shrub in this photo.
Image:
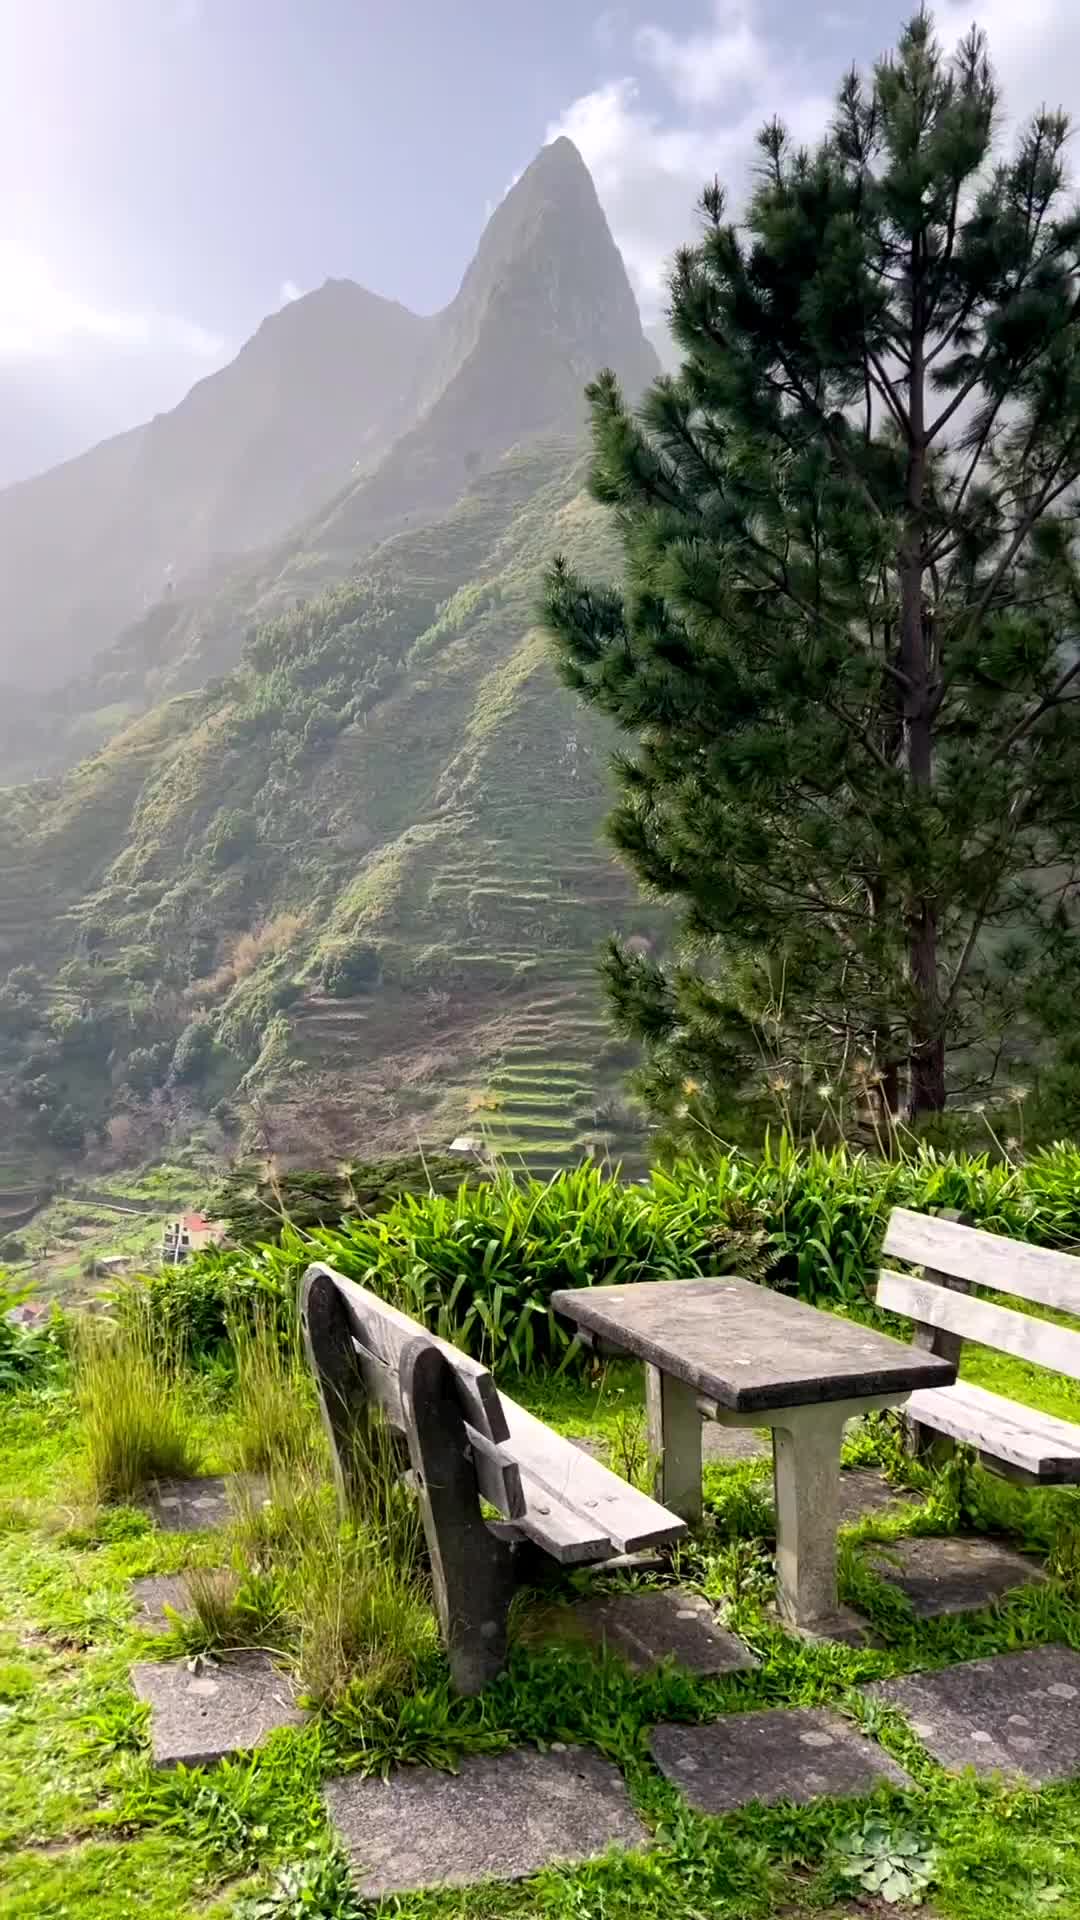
(193, 1303)
(193, 1050)
(67, 1128)
(355, 968)
(479, 1265)
(255, 1207)
(147, 1066)
(25, 1351)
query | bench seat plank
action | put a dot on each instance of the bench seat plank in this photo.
(1040, 1341)
(630, 1519)
(990, 1260)
(1021, 1437)
(560, 1531)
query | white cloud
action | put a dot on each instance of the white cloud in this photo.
(693, 103)
(651, 161)
(39, 318)
(711, 67)
(289, 291)
(1035, 49)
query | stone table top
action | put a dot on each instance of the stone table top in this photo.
(747, 1347)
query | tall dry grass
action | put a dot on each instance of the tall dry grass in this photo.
(275, 1424)
(128, 1392)
(245, 953)
(347, 1598)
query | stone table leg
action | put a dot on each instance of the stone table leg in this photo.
(806, 1467)
(675, 1443)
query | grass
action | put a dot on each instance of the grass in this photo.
(127, 1385)
(273, 1401)
(347, 1602)
(87, 1826)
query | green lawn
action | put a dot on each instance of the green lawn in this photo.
(88, 1828)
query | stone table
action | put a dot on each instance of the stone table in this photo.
(736, 1352)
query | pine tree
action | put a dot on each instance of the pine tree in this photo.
(848, 645)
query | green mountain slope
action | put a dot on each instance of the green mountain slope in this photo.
(329, 877)
(353, 890)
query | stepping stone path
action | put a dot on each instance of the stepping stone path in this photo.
(193, 1506)
(1017, 1713)
(201, 1711)
(940, 1576)
(648, 1627)
(502, 1817)
(153, 1593)
(732, 1443)
(864, 1490)
(797, 1754)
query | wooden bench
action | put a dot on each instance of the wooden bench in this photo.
(467, 1443)
(1015, 1440)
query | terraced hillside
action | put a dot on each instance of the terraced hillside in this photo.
(334, 882)
(350, 895)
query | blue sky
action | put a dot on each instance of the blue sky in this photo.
(174, 169)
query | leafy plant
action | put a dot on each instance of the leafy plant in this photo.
(892, 1863)
(25, 1351)
(316, 1888)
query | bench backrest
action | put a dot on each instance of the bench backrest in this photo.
(569, 1504)
(380, 1335)
(956, 1257)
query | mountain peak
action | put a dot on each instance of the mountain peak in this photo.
(560, 158)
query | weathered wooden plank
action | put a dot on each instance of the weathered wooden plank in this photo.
(1020, 1437)
(331, 1353)
(561, 1533)
(1040, 1341)
(382, 1334)
(990, 1260)
(472, 1571)
(628, 1518)
(496, 1475)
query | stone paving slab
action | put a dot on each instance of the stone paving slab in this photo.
(190, 1506)
(153, 1593)
(1016, 1713)
(197, 1717)
(865, 1490)
(733, 1443)
(785, 1754)
(502, 1817)
(954, 1575)
(666, 1623)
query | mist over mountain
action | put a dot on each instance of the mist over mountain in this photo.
(330, 855)
(342, 418)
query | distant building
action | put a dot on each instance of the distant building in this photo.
(471, 1146)
(189, 1233)
(29, 1313)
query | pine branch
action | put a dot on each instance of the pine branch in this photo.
(1034, 513)
(1052, 699)
(883, 386)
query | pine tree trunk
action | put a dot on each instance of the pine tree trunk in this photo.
(926, 1067)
